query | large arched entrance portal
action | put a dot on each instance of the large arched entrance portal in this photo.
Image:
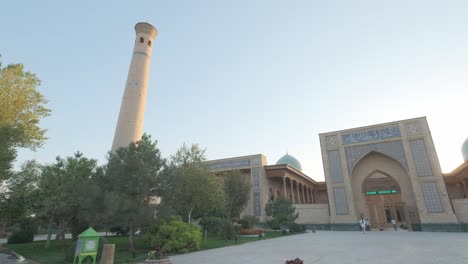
(382, 191)
(382, 195)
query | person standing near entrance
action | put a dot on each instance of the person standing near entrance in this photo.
(362, 223)
(394, 224)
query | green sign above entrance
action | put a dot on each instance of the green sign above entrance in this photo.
(381, 192)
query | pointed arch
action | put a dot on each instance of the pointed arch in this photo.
(386, 182)
(392, 149)
(372, 152)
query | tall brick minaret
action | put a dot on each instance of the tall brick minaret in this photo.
(130, 124)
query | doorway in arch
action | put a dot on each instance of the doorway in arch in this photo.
(382, 195)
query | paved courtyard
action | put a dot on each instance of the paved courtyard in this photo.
(337, 247)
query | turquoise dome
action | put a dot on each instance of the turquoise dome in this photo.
(290, 160)
(465, 150)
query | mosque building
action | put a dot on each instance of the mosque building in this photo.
(381, 172)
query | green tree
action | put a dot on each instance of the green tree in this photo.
(18, 195)
(194, 190)
(22, 107)
(281, 211)
(188, 186)
(237, 192)
(185, 155)
(7, 153)
(60, 190)
(131, 176)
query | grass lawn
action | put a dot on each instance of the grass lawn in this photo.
(54, 255)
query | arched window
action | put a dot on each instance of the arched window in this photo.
(149, 43)
(142, 40)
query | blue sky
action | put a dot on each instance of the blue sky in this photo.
(245, 77)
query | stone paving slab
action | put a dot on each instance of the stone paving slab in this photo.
(337, 247)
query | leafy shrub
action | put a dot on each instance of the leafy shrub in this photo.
(273, 224)
(149, 233)
(213, 224)
(25, 234)
(177, 236)
(284, 232)
(248, 221)
(228, 230)
(282, 211)
(295, 228)
(22, 236)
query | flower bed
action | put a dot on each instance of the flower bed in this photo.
(251, 232)
(294, 261)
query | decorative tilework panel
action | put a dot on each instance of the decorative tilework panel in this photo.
(256, 178)
(413, 129)
(432, 197)
(230, 164)
(255, 162)
(374, 134)
(256, 205)
(393, 149)
(332, 141)
(423, 165)
(256, 187)
(335, 166)
(341, 203)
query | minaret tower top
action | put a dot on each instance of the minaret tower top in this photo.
(146, 28)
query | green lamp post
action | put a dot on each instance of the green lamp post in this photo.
(87, 245)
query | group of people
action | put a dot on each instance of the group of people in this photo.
(364, 224)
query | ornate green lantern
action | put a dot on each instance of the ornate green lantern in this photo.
(87, 246)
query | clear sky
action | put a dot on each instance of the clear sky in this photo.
(245, 77)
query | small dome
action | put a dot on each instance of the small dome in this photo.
(290, 160)
(465, 150)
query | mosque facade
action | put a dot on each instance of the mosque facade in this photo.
(381, 173)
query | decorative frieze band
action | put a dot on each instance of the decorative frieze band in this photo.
(374, 134)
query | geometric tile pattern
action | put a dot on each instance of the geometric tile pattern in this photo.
(335, 166)
(432, 197)
(256, 190)
(230, 164)
(393, 149)
(423, 165)
(341, 204)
